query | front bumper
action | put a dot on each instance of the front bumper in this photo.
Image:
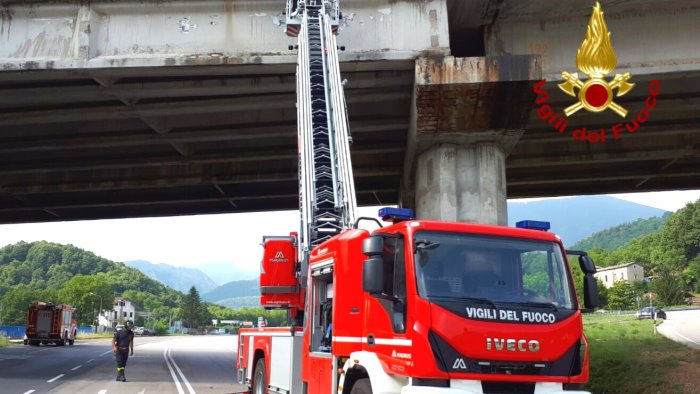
(474, 387)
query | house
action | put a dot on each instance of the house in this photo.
(630, 272)
(123, 309)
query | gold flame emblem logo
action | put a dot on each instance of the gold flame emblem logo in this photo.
(596, 58)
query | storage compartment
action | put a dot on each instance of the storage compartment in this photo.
(278, 281)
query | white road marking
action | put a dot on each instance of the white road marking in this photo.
(74, 368)
(172, 373)
(90, 360)
(55, 379)
(102, 392)
(182, 375)
(108, 351)
(29, 392)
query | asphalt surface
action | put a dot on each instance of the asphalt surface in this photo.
(182, 365)
(683, 327)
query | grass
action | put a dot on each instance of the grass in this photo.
(4, 342)
(627, 357)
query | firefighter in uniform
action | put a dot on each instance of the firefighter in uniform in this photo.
(122, 343)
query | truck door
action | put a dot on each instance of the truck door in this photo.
(320, 359)
(384, 331)
(43, 323)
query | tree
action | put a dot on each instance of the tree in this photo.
(691, 275)
(602, 293)
(681, 234)
(194, 312)
(621, 296)
(668, 286)
(78, 291)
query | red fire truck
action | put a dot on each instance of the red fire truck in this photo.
(50, 323)
(423, 307)
(418, 307)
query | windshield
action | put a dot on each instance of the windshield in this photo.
(492, 270)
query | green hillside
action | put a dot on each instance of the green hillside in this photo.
(240, 302)
(66, 274)
(234, 289)
(618, 236)
(670, 256)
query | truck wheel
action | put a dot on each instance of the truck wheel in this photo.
(70, 342)
(362, 386)
(33, 343)
(259, 379)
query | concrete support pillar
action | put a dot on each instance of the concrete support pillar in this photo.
(462, 183)
(467, 115)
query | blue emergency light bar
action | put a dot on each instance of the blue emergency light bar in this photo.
(533, 225)
(395, 215)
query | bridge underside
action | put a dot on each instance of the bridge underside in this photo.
(214, 139)
(152, 108)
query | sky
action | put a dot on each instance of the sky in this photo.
(194, 241)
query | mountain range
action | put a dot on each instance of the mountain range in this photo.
(236, 294)
(575, 218)
(178, 278)
(572, 218)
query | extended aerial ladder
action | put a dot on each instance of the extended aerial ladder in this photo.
(327, 201)
(326, 187)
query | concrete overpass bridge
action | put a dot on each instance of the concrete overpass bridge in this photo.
(135, 108)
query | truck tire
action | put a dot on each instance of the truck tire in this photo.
(33, 343)
(362, 386)
(259, 378)
(70, 342)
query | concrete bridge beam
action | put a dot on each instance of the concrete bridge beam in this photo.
(106, 34)
(649, 37)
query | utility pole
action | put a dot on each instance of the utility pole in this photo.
(653, 314)
(100, 304)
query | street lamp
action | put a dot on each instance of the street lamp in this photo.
(100, 302)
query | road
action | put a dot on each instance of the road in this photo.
(683, 327)
(183, 365)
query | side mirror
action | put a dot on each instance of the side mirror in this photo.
(584, 261)
(373, 275)
(590, 292)
(373, 246)
(587, 265)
